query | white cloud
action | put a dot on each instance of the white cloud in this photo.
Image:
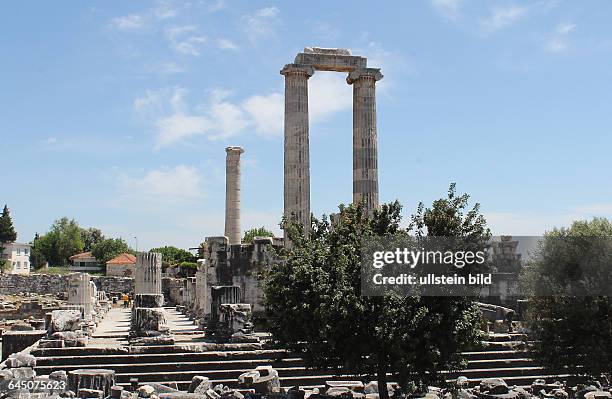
(226, 44)
(558, 43)
(177, 127)
(502, 17)
(219, 117)
(131, 22)
(134, 22)
(261, 23)
(166, 68)
(266, 112)
(183, 41)
(565, 28)
(179, 182)
(449, 8)
(150, 100)
(328, 93)
(164, 10)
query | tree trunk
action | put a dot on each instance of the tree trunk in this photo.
(383, 393)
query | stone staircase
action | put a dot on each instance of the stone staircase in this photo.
(501, 357)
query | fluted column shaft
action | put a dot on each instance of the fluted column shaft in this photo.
(232, 194)
(297, 151)
(148, 273)
(365, 150)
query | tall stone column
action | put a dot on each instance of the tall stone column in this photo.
(232, 194)
(365, 151)
(297, 153)
(148, 273)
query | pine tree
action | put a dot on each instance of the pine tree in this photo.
(7, 231)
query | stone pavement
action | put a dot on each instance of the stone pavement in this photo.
(113, 330)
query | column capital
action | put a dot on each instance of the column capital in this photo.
(299, 69)
(234, 149)
(364, 73)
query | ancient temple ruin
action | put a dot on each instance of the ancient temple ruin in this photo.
(297, 150)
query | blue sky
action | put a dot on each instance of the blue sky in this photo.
(117, 113)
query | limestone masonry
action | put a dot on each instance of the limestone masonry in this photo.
(365, 137)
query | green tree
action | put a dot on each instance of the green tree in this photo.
(37, 257)
(109, 248)
(571, 331)
(257, 232)
(172, 256)
(315, 307)
(90, 237)
(7, 234)
(7, 231)
(61, 242)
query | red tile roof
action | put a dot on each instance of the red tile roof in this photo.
(82, 255)
(122, 259)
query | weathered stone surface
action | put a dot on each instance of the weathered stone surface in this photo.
(22, 327)
(148, 273)
(263, 379)
(23, 373)
(21, 360)
(64, 320)
(59, 375)
(90, 393)
(16, 341)
(147, 320)
(232, 194)
(145, 391)
(494, 386)
(330, 59)
(198, 381)
(297, 147)
(51, 343)
(148, 300)
(116, 392)
(97, 379)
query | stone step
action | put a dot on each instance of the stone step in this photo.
(161, 349)
(161, 358)
(497, 337)
(162, 365)
(178, 366)
(60, 356)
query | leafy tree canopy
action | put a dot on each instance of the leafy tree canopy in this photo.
(256, 232)
(572, 333)
(90, 237)
(172, 256)
(109, 248)
(314, 301)
(61, 242)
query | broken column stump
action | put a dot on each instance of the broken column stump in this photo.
(96, 379)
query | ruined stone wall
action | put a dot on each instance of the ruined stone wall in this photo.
(13, 284)
(239, 265)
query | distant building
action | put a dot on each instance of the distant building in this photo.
(85, 262)
(19, 257)
(122, 265)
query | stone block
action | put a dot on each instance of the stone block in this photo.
(21, 360)
(64, 320)
(145, 391)
(16, 341)
(198, 381)
(23, 373)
